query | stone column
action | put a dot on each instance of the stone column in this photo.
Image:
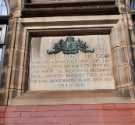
(11, 71)
(122, 56)
(132, 49)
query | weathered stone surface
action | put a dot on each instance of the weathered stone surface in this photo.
(17, 49)
(80, 71)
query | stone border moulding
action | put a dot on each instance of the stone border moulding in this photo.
(53, 26)
(40, 8)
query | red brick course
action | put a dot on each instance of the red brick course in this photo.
(98, 114)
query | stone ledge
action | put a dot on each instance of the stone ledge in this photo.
(70, 97)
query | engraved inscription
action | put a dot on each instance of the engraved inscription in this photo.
(81, 71)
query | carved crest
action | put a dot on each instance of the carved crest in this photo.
(70, 46)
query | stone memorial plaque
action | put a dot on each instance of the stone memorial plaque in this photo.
(71, 63)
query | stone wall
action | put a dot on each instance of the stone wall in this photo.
(16, 53)
(103, 114)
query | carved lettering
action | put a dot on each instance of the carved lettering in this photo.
(80, 71)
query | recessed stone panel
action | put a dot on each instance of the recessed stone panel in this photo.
(71, 63)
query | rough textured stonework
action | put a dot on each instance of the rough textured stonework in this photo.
(103, 114)
(23, 105)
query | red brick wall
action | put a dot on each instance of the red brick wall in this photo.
(102, 114)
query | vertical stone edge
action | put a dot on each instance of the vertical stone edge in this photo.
(10, 51)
